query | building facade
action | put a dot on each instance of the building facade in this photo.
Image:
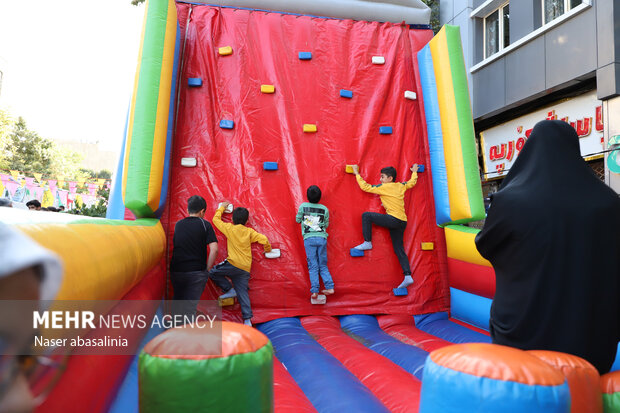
(529, 60)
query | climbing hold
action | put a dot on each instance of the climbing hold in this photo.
(349, 169)
(305, 55)
(225, 51)
(346, 93)
(274, 253)
(385, 130)
(428, 246)
(309, 127)
(320, 299)
(356, 253)
(227, 124)
(400, 291)
(228, 209)
(270, 166)
(410, 95)
(194, 82)
(225, 302)
(378, 60)
(267, 88)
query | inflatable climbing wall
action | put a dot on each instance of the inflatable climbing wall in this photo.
(306, 95)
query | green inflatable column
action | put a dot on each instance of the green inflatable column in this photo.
(181, 370)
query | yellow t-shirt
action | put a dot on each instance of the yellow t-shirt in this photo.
(239, 239)
(392, 194)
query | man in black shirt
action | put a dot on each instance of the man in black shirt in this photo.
(189, 266)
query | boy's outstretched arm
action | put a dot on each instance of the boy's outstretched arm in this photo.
(261, 239)
(217, 220)
(414, 177)
(366, 187)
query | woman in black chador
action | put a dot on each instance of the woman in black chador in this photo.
(553, 237)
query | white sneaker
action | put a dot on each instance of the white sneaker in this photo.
(407, 281)
(230, 294)
(247, 322)
(366, 245)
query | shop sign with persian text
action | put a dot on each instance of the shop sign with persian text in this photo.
(501, 144)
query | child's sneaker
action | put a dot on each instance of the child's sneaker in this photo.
(328, 292)
(314, 296)
(366, 245)
(247, 322)
(229, 294)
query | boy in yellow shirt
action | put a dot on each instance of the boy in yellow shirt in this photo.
(392, 196)
(237, 265)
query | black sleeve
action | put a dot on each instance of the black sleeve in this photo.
(210, 233)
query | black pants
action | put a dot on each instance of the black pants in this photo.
(188, 287)
(241, 281)
(397, 230)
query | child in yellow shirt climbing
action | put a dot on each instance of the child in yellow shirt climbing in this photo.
(238, 263)
(392, 196)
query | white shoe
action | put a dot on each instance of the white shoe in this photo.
(229, 294)
(247, 322)
(406, 282)
(366, 245)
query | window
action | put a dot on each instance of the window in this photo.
(496, 31)
(555, 8)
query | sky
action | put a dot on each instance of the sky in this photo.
(69, 66)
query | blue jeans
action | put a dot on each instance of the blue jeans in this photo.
(240, 280)
(316, 253)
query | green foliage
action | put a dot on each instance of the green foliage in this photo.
(24, 150)
(89, 173)
(104, 174)
(434, 5)
(137, 2)
(27, 151)
(6, 125)
(64, 162)
(97, 210)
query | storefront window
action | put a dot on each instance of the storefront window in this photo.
(555, 8)
(496, 31)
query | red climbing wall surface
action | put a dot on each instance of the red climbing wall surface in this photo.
(269, 127)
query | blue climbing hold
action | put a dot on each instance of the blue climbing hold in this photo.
(270, 166)
(227, 124)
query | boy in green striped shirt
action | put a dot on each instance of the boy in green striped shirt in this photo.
(314, 219)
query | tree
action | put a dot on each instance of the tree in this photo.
(24, 150)
(65, 162)
(434, 5)
(96, 210)
(136, 2)
(27, 151)
(104, 174)
(6, 126)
